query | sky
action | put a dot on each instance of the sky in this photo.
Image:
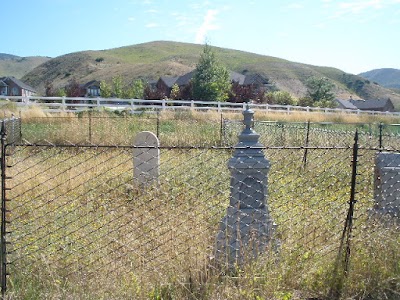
(352, 35)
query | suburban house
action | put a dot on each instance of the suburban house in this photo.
(372, 105)
(91, 89)
(258, 82)
(11, 86)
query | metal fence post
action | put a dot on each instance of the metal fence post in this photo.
(20, 126)
(306, 145)
(352, 202)
(221, 130)
(380, 135)
(345, 241)
(3, 270)
(90, 125)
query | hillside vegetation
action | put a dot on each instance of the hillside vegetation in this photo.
(151, 60)
(11, 65)
(386, 77)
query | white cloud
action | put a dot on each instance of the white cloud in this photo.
(200, 5)
(131, 19)
(181, 20)
(320, 25)
(152, 11)
(357, 7)
(295, 6)
(206, 26)
(151, 25)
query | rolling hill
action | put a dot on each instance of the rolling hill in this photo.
(386, 77)
(151, 60)
(11, 65)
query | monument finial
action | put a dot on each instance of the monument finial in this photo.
(248, 118)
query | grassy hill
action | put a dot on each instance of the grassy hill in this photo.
(386, 77)
(11, 65)
(151, 60)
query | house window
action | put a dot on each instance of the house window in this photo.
(94, 92)
(3, 91)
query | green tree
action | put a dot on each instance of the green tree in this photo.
(320, 89)
(305, 101)
(117, 87)
(61, 93)
(211, 80)
(105, 89)
(135, 90)
(281, 98)
(175, 92)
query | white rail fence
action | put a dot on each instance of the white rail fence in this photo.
(76, 104)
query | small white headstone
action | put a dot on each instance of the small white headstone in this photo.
(387, 183)
(146, 158)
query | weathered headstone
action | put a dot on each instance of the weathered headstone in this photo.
(246, 229)
(146, 158)
(387, 184)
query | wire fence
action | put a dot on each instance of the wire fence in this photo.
(77, 226)
(176, 129)
(317, 134)
(13, 128)
(183, 129)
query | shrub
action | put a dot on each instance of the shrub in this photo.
(281, 98)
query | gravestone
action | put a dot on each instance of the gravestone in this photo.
(387, 184)
(246, 230)
(146, 158)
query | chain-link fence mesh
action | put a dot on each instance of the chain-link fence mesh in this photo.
(78, 221)
(79, 227)
(11, 130)
(328, 134)
(188, 129)
(173, 129)
(390, 136)
(374, 242)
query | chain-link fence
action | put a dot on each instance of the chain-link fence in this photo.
(188, 129)
(91, 128)
(77, 226)
(316, 134)
(11, 130)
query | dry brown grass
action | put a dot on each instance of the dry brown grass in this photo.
(319, 117)
(212, 115)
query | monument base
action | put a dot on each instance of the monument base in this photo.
(244, 234)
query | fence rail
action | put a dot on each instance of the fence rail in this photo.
(67, 104)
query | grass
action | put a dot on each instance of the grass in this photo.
(19, 66)
(80, 229)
